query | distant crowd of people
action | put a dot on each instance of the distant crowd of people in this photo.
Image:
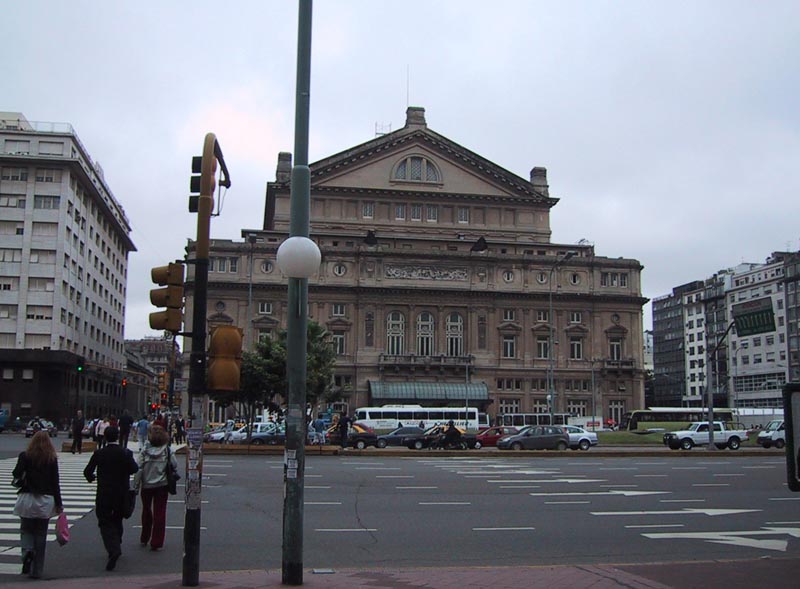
(174, 426)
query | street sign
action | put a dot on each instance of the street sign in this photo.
(754, 317)
(181, 385)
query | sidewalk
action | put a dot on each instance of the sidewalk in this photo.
(782, 572)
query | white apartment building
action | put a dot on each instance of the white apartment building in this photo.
(759, 366)
(694, 344)
(64, 246)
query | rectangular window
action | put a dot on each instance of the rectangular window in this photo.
(368, 210)
(233, 264)
(264, 308)
(575, 348)
(615, 348)
(542, 347)
(575, 317)
(14, 174)
(400, 212)
(46, 202)
(416, 212)
(339, 342)
(463, 215)
(432, 213)
(508, 314)
(222, 264)
(509, 346)
(51, 148)
(542, 316)
(508, 406)
(338, 310)
(48, 175)
(12, 201)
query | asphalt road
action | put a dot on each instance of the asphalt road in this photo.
(475, 510)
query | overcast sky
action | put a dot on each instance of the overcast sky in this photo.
(670, 130)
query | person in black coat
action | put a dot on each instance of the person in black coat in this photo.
(114, 465)
(77, 431)
(37, 469)
(125, 423)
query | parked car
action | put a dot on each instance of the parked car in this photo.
(774, 434)
(360, 436)
(395, 437)
(489, 437)
(579, 437)
(268, 438)
(536, 437)
(37, 424)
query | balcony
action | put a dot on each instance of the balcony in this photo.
(415, 363)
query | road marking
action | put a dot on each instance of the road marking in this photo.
(501, 529)
(566, 502)
(656, 526)
(322, 502)
(317, 486)
(409, 488)
(689, 468)
(611, 492)
(394, 476)
(650, 476)
(360, 463)
(549, 481)
(711, 484)
(378, 468)
(346, 530)
(618, 468)
(681, 500)
(687, 511)
(781, 523)
(445, 503)
(736, 538)
(182, 501)
(520, 487)
(738, 474)
(757, 467)
(618, 486)
(202, 528)
(784, 498)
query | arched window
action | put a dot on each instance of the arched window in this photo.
(425, 329)
(416, 168)
(395, 333)
(455, 335)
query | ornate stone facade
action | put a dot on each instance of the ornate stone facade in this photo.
(438, 266)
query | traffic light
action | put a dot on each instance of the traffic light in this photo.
(171, 297)
(162, 381)
(224, 358)
(124, 385)
(164, 398)
(153, 407)
(79, 365)
(203, 179)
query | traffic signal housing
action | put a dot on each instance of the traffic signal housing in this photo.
(124, 385)
(224, 358)
(162, 381)
(163, 398)
(170, 277)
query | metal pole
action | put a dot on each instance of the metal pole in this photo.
(249, 319)
(550, 352)
(297, 320)
(594, 400)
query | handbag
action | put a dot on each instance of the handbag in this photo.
(32, 505)
(172, 476)
(129, 503)
(62, 528)
(19, 481)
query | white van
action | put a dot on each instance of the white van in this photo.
(773, 435)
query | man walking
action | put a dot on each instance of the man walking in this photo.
(77, 431)
(114, 465)
(125, 423)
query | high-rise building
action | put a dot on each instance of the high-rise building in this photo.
(440, 284)
(792, 290)
(64, 246)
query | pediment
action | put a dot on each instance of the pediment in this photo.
(577, 330)
(373, 165)
(509, 327)
(338, 324)
(223, 318)
(265, 322)
(616, 331)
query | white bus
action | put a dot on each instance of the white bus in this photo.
(388, 417)
(523, 419)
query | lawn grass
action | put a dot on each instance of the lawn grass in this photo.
(654, 438)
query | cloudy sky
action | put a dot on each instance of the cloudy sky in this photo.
(670, 130)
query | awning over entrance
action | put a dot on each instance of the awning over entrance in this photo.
(428, 391)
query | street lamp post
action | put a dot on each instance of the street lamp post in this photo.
(298, 258)
(249, 323)
(550, 352)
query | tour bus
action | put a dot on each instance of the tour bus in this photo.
(671, 418)
(523, 419)
(388, 417)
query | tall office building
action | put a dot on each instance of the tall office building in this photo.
(440, 284)
(64, 246)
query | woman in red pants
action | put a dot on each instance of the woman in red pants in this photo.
(152, 480)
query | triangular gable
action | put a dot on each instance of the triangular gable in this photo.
(463, 172)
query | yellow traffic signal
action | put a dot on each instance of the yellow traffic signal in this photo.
(224, 358)
(171, 297)
(162, 381)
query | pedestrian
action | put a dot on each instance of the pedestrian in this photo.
(77, 431)
(39, 500)
(100, 429)
(421, 424)
(152, 481)
(114, 465)
(125, 424)
(160, 420)
(180, 430)
(141, 430)
(319, 429)
(344, 429)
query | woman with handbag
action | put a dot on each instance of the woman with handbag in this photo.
(155, 460)
(39, 499)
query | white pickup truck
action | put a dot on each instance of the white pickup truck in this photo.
(697, 435)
